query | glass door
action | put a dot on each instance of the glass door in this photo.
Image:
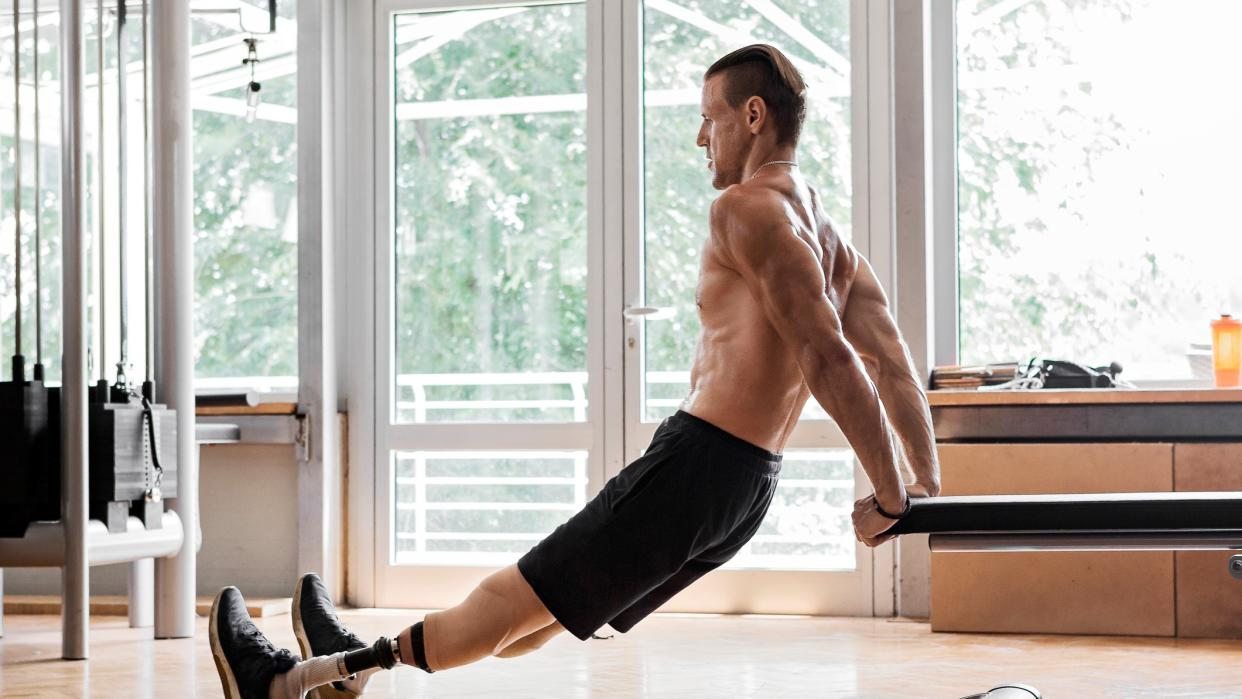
(540, 207)
(488, 402)
(804, 559)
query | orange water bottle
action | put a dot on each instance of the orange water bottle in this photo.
(1227, 351)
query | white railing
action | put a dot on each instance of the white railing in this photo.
(421, 504)
(412, 397)
(796, 524)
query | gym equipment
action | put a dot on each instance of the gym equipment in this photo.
(26, 485)
(1105, 522)
(1009, 691)
(132, 462)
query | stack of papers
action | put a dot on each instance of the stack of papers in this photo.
(966, 377)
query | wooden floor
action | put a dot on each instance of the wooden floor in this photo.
(667, 656)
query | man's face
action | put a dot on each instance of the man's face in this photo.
(725, 134)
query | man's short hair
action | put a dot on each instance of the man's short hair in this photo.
(760, 70)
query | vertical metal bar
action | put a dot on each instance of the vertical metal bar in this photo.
(18, 370)
(73, 467)
(122, 154)
(141, 593)
(148, 282)
(38, 208)
(172, 218)
(101, 224)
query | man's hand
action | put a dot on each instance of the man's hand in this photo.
(870, 526)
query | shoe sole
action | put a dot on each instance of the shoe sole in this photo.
(326, 691)
(227, 679)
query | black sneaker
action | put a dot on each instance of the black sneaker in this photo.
(320, 632)
(245, 659)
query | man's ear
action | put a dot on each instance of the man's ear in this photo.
(756, 114)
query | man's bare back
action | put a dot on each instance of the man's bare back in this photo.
(745, 379)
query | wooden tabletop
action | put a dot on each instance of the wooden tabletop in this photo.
(260, 409)
(1075, 396)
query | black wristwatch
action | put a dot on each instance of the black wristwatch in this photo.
(904, 511)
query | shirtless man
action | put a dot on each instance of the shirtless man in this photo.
(789, 310)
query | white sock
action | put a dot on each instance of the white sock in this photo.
(307, 675)
(358, 682)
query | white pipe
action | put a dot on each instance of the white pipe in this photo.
(73, 467)
(43, 545)
(172, 218)
(142, 594)
(141, 590)
(136, 542)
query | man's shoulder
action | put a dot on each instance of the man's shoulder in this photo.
(747, 208)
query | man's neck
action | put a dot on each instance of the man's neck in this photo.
(766, 156)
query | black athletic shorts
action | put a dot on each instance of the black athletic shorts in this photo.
(685, 507)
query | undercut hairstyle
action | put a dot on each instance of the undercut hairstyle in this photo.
(762, 71)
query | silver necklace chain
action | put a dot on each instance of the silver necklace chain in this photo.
(790, 163)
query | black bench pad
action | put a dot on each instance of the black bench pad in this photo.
(1113, 512)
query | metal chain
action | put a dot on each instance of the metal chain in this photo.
(772, 162)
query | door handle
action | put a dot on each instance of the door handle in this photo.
(634, 313)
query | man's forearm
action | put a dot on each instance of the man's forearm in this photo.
(911, 418)
(843, 388)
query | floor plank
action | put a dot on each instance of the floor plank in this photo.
(667, 656)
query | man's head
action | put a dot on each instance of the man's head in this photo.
(753, 97)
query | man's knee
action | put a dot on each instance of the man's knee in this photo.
(531, 642)
(519, 648)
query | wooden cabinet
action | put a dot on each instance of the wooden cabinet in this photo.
(1186, 594)
(1209, 600)
(1054, 592)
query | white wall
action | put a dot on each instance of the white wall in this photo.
(248, 501)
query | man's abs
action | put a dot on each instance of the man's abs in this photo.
(745, 380)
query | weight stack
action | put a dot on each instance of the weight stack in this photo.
(120, 461)
(25, 485)
(48, 481)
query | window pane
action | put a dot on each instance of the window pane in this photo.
(1097, 152)
(245, 195)
(490, 215)
(49, 254)
(481, 508)
(681, 38)
(809, 524)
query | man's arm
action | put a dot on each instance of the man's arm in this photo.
(786, 278)
(871, 330)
